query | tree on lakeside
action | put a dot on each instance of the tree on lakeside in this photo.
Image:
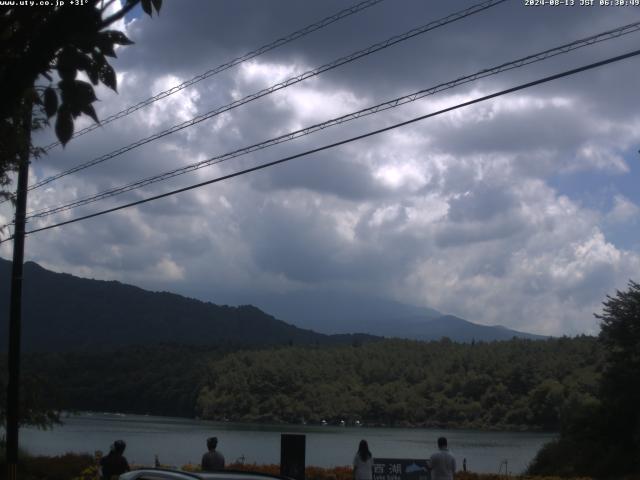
(37, 41)
(601, 438)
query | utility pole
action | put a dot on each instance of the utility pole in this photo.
(15, 310)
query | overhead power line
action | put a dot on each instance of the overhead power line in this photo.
(279, 86)
(346, 141)
(358, 7)
(537, 57)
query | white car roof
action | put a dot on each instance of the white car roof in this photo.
(163, 474)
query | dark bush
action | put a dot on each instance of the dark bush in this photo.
(63, 467)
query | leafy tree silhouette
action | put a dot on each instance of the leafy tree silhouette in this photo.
(620, 387)
(601, 437)
(35, 41)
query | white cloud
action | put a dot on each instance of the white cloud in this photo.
(600, 157)
(624, 210)
(259, 74)
(176, 108)
(457, 212)
(168, 269)
(404, 175)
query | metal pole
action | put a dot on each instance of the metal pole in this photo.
(15, 310)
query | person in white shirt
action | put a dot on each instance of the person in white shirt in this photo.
(363, 462)
(442, 463)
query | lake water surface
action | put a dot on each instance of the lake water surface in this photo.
(178, 441)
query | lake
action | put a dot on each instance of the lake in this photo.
(178, 441)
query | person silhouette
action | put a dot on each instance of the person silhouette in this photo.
(114, 463)
(212, 460)
(363, 462)
(442, 464)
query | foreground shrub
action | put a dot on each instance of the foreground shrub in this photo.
(63, 467)
(571, 457)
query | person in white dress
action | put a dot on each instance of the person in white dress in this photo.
(363, 462)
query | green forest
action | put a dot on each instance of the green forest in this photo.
(159, 380)
(585, 388)
(518, 384)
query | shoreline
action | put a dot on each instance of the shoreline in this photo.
(275, 424)
(179, 440)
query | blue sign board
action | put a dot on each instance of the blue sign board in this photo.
(400, 469)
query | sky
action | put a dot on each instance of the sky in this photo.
(520, 211)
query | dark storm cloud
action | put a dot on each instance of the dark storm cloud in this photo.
(483, 203)
(330, 173)
(189, 34)
(300, 242)
(476, 232)
(210, 24)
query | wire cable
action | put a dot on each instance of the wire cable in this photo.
(343, 142)
(225, 66)
(396, 102)
(279, 86)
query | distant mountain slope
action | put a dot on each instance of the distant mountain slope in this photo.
(338, 312)
(457, 329)
(63, 312)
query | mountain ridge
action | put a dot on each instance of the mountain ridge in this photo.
(64, 312)
(333, 312)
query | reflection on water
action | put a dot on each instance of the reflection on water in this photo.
(178, 441)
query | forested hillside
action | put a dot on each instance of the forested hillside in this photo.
(519, 384)
(515, 384)
(62, 312)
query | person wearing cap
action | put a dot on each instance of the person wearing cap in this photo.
(114, 463)
(213, 460)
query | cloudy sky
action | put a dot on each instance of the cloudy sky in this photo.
(522, 211)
